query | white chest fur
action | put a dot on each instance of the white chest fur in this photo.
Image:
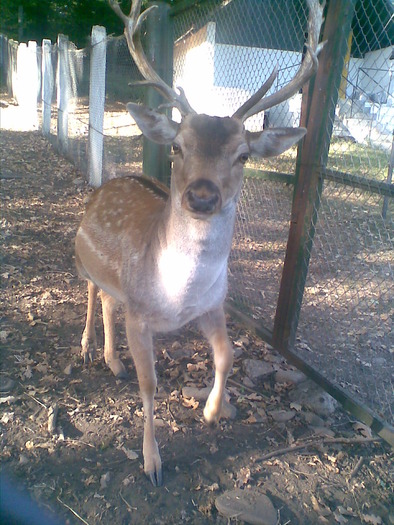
(191, 275)
(185, 277)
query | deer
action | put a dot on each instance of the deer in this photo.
(163, 253)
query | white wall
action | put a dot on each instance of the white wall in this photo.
(218, 78)
(377, 64)
(374, 73)
(194, 67)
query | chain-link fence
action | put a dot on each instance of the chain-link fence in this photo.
(223, 51)
(122, 148)
(345, 325)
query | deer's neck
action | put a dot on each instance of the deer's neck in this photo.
(191, 265)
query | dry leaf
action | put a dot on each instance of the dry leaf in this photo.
(253, 397)
(251, 420)
(7, 417)
(42, 367)
(195, 367)
(28, 373)
(174, 427)
(89, 481)
(190, 403)
(243, 477)
(370, 518)
(339, 518)
(362, 429)
(130, 454)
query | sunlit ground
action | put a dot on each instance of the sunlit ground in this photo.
(17, 118)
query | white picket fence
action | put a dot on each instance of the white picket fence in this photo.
(33, 80)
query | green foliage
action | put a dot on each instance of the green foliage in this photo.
(48, 18)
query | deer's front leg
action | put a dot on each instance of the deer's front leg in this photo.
(213, 325)
(139, 339)
(88, 342)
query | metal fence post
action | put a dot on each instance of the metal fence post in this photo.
(63, 93)
(308, 182)
(96, 104)
(47, 85)
(159, 45)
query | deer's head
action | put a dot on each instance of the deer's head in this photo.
(209, 153)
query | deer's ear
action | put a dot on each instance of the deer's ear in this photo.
(154, 125)
(275, 141)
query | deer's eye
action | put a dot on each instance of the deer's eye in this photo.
(243, 159)
(176, 149)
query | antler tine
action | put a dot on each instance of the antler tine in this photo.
(254, 99)
(307, 69)
(132, 29)
(180, 103)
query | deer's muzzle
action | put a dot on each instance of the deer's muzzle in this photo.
(202, 197)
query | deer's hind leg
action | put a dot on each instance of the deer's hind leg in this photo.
(88, 341)
(111, 357)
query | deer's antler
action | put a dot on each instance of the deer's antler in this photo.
(308, 67)
(133, 24)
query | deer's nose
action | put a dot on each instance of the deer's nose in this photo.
(203, 197)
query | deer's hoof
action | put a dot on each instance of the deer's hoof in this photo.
(117, 368)
(88, 351)
(152, 463)
(211, 414)
(155, 477)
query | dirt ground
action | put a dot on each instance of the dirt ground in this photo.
(288, 441)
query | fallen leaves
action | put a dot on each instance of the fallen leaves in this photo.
(190, 403)
(102, 419)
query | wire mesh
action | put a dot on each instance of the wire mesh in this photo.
(122, 138)
(78, 117)
(223, 51)
(345, 328)
(345, 325)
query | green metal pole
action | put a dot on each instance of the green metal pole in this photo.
(159, 50)
(313, 156)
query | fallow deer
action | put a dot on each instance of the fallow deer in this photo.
(163, 253)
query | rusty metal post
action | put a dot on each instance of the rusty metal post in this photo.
(319, 118)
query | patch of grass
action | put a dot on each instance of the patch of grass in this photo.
(344, 156)
(358, 159)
